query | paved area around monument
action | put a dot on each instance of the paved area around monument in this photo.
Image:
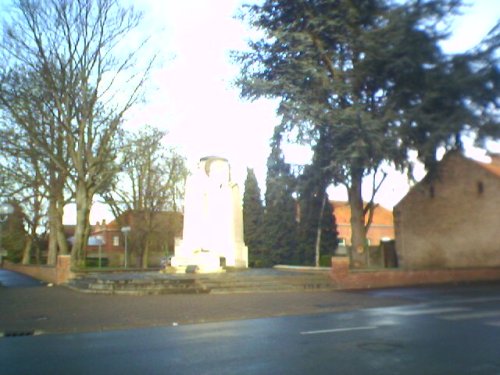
(43, 309)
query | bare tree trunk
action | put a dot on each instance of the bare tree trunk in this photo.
(62, 242)
(145, 253)
(358, 232)
(57, 237)
(319, 230)
(82, 230)
(149, 221)
(52, 251)
(37, 255)
(27, 250)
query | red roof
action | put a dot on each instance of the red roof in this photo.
(493, 167)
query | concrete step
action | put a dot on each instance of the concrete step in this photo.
(137, 287)
(267, 287)
(244, 282)
(237, 282)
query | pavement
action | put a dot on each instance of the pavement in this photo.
(10, 279)
(29, 306)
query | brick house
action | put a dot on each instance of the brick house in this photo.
(110, 241)
(381, 228)
(106, 240)
(451, 219)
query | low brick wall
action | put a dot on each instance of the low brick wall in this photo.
(59, 274)
(346, 278)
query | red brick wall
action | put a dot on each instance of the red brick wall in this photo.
(346, 278)
(57, 275)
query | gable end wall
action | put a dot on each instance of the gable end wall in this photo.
(451, 220)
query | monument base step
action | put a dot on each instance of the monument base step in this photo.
(245, 281)
(191, 269)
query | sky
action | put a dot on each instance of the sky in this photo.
(197, 103)
(195, 99)
(192, 96)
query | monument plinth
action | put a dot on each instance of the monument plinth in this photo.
(213, 220)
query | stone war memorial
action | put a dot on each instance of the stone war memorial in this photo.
(212, 237)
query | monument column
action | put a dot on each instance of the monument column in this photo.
(213, 220)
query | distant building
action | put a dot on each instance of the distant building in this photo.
(106, 240)
(109, 241)
(451, 219)
(381, 228)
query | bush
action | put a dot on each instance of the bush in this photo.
(260, 263)
(325, 261)
(94, 262)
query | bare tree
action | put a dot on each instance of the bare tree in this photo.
(78, 54)
(33, 138)
(150, 183)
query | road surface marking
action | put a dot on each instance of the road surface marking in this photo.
(473, 315)
(335, 330)
(429, 311)
(471, 300)
(494, 324)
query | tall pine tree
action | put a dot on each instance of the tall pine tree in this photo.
(14, 233)
(253, 216)
(317, 226)
(280, 225)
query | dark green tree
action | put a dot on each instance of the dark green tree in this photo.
(253, 216)
(457, 95)
(317, 233)
(317, 229)
(280, 225)
(14, 234)
(363, 71)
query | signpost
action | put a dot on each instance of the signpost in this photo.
(100, 251)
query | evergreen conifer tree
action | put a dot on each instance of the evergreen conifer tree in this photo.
(316, 217)
(280, 226)
(14, 234)
(253, 216)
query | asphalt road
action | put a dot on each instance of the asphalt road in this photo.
(434, 330)
(446, 331)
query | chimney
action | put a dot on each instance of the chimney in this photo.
(495, 157)
(95, 228)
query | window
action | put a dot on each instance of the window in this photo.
(116, 240)
(480, 188)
